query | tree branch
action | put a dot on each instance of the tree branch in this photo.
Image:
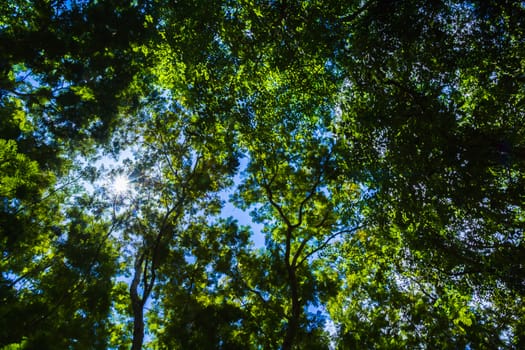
(326, 242)
(352, 16)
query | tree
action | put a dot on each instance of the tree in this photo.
(175, 178)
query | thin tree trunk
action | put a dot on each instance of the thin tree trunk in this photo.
(138, 327)
(137, 306)
(293, 320)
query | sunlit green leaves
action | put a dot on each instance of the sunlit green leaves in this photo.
(21, 177)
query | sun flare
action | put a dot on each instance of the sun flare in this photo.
(120, 184)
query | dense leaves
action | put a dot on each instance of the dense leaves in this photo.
(377, 147)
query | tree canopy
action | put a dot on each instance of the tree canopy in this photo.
(379, 145)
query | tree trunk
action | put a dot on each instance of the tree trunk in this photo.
(293, 320)
(138, 326)
(137, 306)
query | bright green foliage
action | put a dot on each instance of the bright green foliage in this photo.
(56, 278)
(21, 177)
(379, 145)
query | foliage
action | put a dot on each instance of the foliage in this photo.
(379, 145)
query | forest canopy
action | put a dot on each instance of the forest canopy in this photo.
(256, 174)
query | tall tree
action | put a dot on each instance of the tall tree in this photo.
(174, 178)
